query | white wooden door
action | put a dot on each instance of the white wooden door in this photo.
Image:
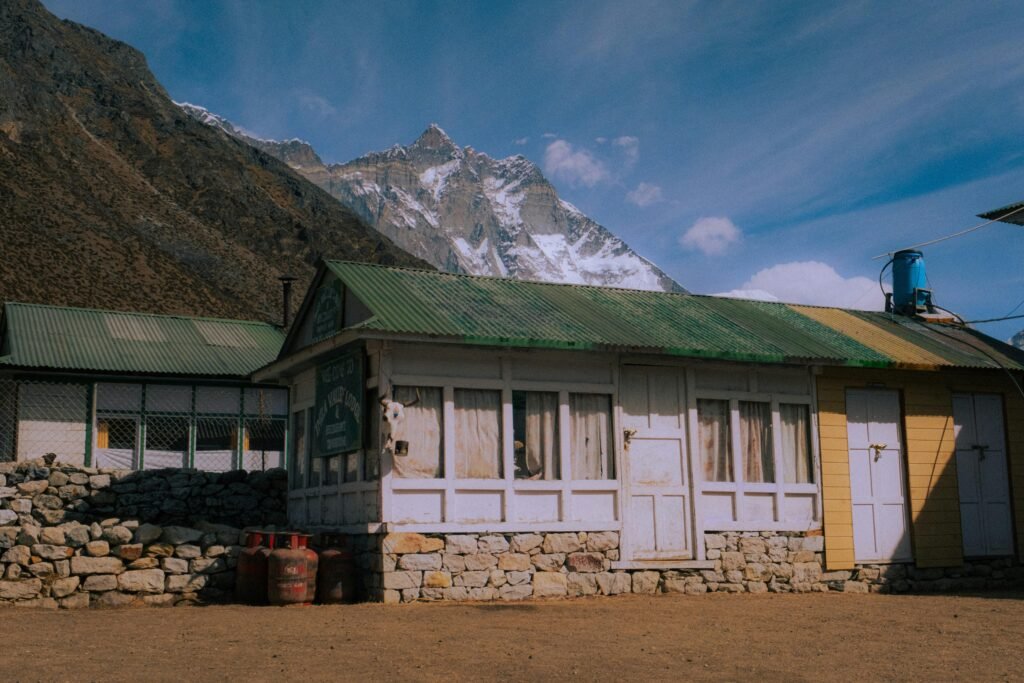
(982, 475)
(880, 528)
(657, 486)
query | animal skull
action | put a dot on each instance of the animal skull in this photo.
(394, 414)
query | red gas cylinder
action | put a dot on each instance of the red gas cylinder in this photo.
(312, 560)
(336, 582)
(251, 572)
(287, 576)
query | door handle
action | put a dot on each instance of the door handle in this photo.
(878, 448)
(627, 437)
(981, 450)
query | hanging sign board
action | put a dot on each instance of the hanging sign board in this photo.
(338, 412)
(327, 311)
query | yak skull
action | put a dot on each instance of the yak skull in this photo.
(394, 414)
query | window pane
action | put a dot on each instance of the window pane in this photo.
(714, 442)
(535, 431)
(117, 441)
(417, 433)
(223, 400)
(756, 441)
(165, 398)
(166, 442)
(216, 443)
(332, 473)
(264, 444)
(477, 434)
(591, 436)
(351, 469)
(797, 461)
(299, 446)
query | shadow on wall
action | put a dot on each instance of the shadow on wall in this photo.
(166, 496)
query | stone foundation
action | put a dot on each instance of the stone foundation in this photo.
(403, 567)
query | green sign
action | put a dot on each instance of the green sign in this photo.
(338, 412)
(327, 311)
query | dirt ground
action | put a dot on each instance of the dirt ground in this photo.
(710, 637)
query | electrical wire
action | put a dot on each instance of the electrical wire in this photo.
(935, 328)
(979, 226)
(994, 320)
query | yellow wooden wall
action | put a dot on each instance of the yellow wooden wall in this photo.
(930, 462)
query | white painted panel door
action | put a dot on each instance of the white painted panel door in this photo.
(982, 475)
(880, 528)
(658, 507)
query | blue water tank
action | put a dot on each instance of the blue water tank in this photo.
(909, 282)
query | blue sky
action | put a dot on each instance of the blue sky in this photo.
(766, 146)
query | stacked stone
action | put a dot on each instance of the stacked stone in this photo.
(58, 548)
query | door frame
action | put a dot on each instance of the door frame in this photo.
(904, 469)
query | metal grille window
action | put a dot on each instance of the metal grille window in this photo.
(117, 441)
(216, 443)
(264, 444)
(167, 439)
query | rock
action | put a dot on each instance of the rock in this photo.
(613, 583)
(480, 562)
(13, 572)
(188, 551)
(714, 541)
(456, 593)
(548, 563)
(82, 565)
(160, 550)
(645, 582)
(733, 561)
(755, 571)
(97, 548)
(129, 552)
(514, 562)
(141, 581)
(581, 584)
(483, 594)
(516, 578)
(392, 597)
(38, 603)
(172, 565)
(100, 582)
(80, 478)
(182, 583)
(585, 562)
(19, 554)
(208, 565)
(64, 587)
(46, 502)
(453, 563)
(29, 534)
(550, 584)
(561, 543)
(62, 568)
(99, 481)
(52, 536)
(757, 587)
(492, 544)
(855, 587)
(753, 546)
(147, 533)
(161, 600)
(58, 479)
(95, 531)
(815, 544)
(515, 592)
(524, 543)
(403, 543)
(117, 535)
(806, 572)
(496, 578)
(22, 506)
(214, 551)
(42, 570)
(841, 575)
(20, 590)
(8, 517)
(8, 537)
(177, 535)
(8, 492)
(402, 580)
(437, 579)
(75, 601)
(145, 563)
(600, 541)
(112, 599)
(32, 488)
(472, 579)
(76, 535)
(420, 562)
(72, 492)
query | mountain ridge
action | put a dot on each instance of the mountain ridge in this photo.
(463, 211)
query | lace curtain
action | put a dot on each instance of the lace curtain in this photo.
(591, 436)
(797, 461)
(756, 441)
(477, 434)
(715, 444)
(537, 446)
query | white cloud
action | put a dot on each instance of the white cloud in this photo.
(811, 282)
(575, 166)
(630, 147)
(521, 141)
(601, 140)
(711, 235)
(645, 194)
(549, 136)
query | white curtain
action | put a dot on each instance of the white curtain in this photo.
(541, 438)
(591, 436)
(421, 429)
(715, 445)
(756, 441)
(796, 443)
(477, 434)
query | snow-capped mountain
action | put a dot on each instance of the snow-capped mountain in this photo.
(463, 211)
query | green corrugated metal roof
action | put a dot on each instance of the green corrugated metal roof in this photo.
(495, 311)
(1011, 213)
(84, 339)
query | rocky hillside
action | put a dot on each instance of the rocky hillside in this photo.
(463, 211)
(112, 196)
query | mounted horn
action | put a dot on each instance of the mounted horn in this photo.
(414, 401)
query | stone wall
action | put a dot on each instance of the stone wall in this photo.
(76, 537)
(403, 567)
